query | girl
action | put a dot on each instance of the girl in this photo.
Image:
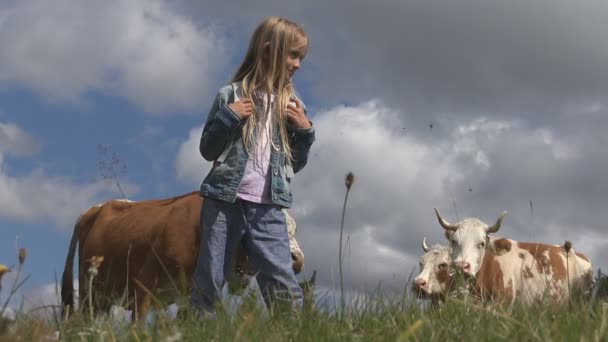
(258, 136)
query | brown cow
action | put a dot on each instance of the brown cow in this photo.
(507, 269)
(149, 251)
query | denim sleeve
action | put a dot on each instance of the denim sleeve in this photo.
(221, 123)
(301, 139)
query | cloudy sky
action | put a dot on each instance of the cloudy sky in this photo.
(471, 106)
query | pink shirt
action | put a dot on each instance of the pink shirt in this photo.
(255, 185)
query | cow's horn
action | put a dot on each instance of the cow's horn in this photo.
(424, 246)
(496, 225)
(445, 223)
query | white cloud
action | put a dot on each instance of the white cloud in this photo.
(387, 162)
(190, 166)
(138, 49)
(37, 197)
(477, 168)
(16, 141)
(398, 179)
(41, 301)
(46, 295)
(576, 108)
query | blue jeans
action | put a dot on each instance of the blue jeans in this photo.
(263, 230)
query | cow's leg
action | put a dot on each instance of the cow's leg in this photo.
(184, 283)
(267, 243)
(146, 285)
(102, 301)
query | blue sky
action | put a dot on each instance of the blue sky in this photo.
(67, 141)
(473, 107)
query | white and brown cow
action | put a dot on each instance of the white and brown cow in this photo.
(507, 269)
(434, 281)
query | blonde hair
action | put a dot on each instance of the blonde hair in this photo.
(263, 71)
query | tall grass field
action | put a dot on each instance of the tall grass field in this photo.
(375, 318)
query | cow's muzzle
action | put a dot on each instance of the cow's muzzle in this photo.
(421, 287)
(420, 284)
(297, 262)
(465, 267)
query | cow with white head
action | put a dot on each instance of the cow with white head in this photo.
(434, 280)
(468, 240)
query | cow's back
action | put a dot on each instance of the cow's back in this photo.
(135, 237)
(531, 272)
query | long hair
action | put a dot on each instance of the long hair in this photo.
(263, 72)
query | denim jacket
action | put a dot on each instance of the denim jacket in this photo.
(221, 142)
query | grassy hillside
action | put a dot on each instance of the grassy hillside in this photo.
(374, 320)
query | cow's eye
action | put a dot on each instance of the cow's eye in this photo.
(481, 245)
(443, 266)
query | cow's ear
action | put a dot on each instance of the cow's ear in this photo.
(500, 246)
(448, 234)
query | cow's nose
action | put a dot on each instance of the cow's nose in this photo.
(420, 282)
(464, 265)
(297, 261)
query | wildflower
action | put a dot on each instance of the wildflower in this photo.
(177, 336)
(53, 337)
(350, 179)
(567, 246)
(95, 262)
(22, 255)
(3, 270)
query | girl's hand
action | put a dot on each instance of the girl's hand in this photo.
(295, 114)
(243, 108)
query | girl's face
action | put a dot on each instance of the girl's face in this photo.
(293, 60)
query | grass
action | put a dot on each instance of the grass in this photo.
(371, 317)
(376, 320)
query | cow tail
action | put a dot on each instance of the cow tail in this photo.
(67, 279)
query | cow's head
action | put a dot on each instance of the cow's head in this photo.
(434, 279)
(297, 256)
(468, 240)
